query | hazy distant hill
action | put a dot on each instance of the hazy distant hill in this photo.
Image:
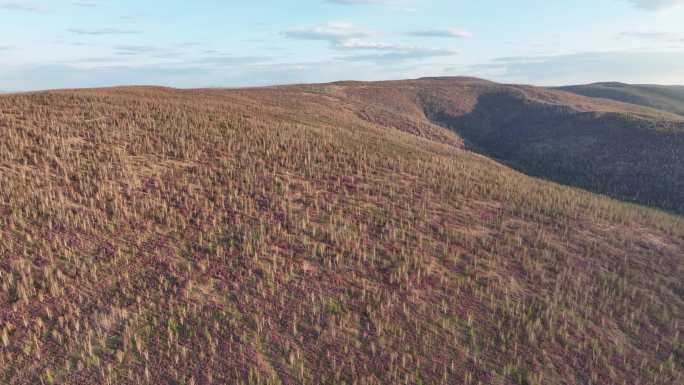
(666, 98)
(338, 234)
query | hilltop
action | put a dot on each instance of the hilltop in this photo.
(666, 98)
(342, 233)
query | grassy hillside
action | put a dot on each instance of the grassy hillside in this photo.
(313, 235)
(626, 151)
(666, 98)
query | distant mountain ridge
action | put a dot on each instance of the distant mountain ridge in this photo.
(666, 98)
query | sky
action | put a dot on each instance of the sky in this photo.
(46, 44)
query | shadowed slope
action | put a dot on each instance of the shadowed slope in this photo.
(276, 236)
(622, 152)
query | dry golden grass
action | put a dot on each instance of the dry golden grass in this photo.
(278, 237)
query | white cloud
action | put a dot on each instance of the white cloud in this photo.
(334, 32)
(399, 5)
(448, 33)
(399, 56)
(649, 35)
(20, 6)
(234, 60)
(368, 45)
(103, 31)
(345, 36)
(656, 5)
(86, 4)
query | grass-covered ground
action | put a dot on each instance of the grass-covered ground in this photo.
(307, 236)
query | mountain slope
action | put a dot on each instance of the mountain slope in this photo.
(666, 98)
(621, 150)
(303, 235)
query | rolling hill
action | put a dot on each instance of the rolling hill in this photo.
(341, 233)
(622, 150)
(666, 98)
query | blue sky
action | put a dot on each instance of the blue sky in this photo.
(211, 43)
